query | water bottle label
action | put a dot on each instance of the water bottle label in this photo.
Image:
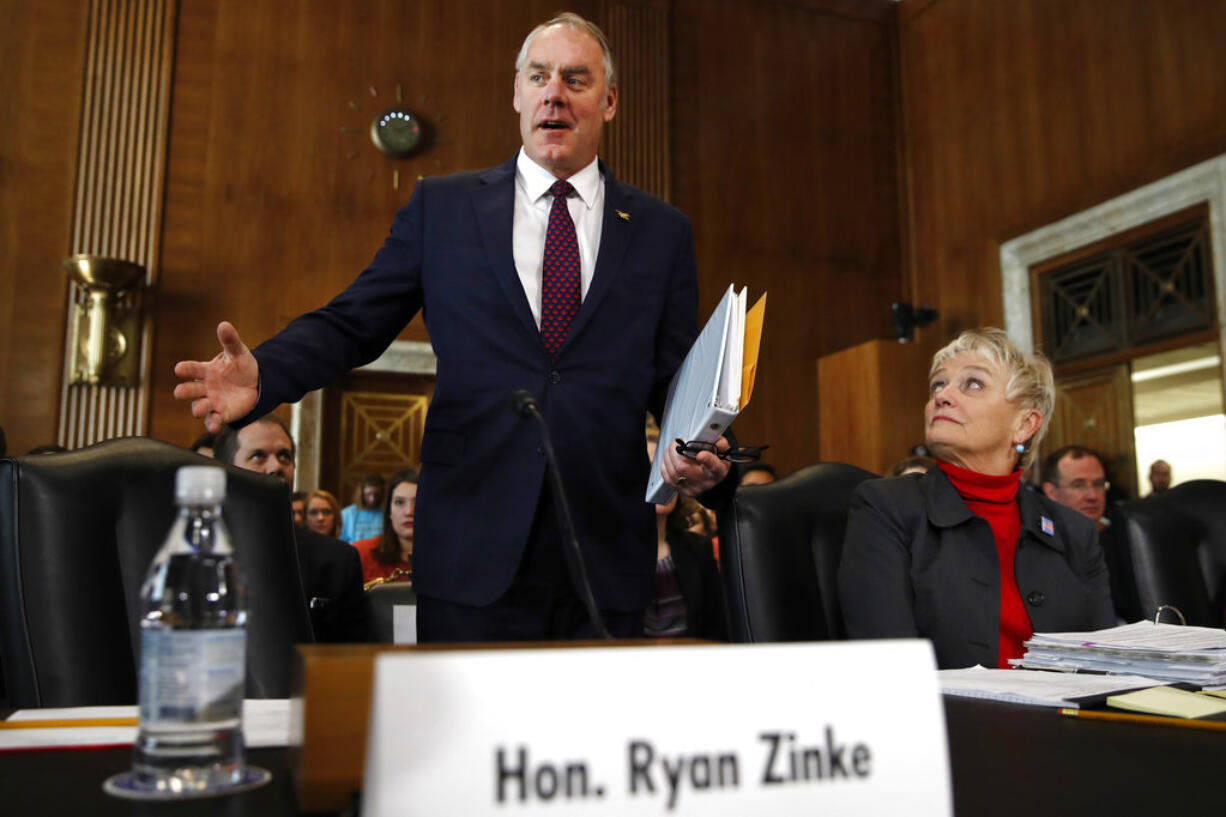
(191, 676)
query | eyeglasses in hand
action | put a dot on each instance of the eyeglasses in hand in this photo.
(748, 453)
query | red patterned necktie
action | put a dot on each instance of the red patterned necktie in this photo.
(561, 290)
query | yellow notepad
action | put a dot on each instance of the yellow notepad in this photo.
(1176, 703)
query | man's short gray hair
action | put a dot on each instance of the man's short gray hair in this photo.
(575, 23)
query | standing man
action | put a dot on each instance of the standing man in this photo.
(1075, 477)
(547, 274)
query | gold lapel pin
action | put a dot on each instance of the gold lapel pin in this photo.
(623, 215)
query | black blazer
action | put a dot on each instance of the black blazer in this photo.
(332, 584)
(917, 563)
(706, 613)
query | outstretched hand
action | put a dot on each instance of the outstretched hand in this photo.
(225, 388)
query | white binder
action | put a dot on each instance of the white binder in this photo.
(705, 395)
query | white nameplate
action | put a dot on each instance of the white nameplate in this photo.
(833, 728)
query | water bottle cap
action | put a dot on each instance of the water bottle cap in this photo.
(200, 485)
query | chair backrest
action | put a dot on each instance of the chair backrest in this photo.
(384, 599)
(779, 548)
(1170, 548)
(77, 534)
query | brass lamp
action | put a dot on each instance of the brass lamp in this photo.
(105, 329)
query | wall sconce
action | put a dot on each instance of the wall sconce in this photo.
(105, 347)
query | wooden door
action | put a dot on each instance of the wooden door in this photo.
(1094, 409)
(372, 423)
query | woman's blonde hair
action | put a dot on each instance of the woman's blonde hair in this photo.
(1030, 379)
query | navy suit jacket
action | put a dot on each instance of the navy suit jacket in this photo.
(449, 255)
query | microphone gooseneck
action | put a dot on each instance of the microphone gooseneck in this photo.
(524, 402)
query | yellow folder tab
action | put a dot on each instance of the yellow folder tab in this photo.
(754, 319)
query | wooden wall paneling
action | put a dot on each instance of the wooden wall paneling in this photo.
(117, 209)
(871, 403)
(784, 157)
(636, 144)
(42, 51)
(1018, 114)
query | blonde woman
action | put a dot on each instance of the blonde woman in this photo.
(964, 555)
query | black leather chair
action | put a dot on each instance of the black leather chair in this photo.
(384, 598)
(77, 533)
(1170, 548)
(779, 547)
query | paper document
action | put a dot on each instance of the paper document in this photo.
(713, 383)
(265, 723)
(1035, 688)
(1164, 651)
(1175, 703)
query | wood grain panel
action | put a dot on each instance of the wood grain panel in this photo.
(784, 157)
(1019, 114)
(42, 49)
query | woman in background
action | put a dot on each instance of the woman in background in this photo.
(960, 555)
(323, 513)
(390, 554)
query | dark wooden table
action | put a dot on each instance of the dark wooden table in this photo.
(1005, 760)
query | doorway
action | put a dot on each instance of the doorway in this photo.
(1178, 407)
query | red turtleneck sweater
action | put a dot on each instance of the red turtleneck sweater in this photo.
(995, 499)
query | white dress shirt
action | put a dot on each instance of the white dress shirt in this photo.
(531, 220)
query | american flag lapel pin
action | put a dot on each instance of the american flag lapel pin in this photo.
(622, 214)
(1049, 527)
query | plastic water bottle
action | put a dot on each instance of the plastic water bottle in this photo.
(193, 650)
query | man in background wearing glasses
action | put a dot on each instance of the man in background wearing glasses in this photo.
(1075, 477)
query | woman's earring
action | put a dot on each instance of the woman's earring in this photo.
(1021, 449)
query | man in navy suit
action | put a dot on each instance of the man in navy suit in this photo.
(489, 560)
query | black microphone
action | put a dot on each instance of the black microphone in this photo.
(524, 402)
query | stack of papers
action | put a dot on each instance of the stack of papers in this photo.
(1037, 688)
(1166, 652)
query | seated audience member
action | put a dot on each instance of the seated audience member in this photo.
(1159, 476)
(323, 513)
(913, 465)
(1075, 477)
(364, 518)
(391, 552)
(297, 503)
(960, 555)
(757, 473)
(688, 598)
(204, 444)
(331, 570)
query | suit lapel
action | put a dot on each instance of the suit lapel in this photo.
(494, 203)
(615, 234)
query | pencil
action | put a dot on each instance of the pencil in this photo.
(1123, 717)
(68, 724)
